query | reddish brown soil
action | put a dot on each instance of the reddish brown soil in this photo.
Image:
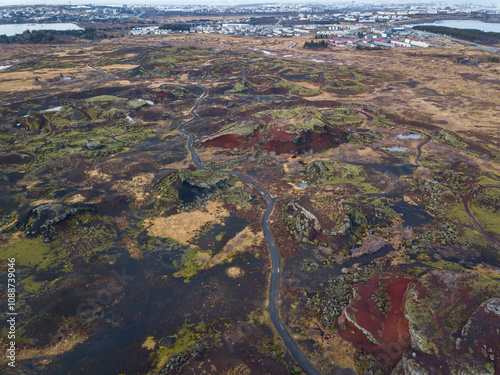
(277, 141)
(228, 141)
(392, 328)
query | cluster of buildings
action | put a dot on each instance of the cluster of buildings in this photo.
(339, 35)
(152, 14)
(65, 13)
(378, 43)
(377, 38)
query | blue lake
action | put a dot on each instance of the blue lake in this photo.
(13, 29)
(465, 24)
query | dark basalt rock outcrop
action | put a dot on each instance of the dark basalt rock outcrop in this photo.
(42, 218)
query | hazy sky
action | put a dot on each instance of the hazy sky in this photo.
(224, 2)
(228, 2)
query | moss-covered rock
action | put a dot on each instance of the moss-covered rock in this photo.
(453, 318)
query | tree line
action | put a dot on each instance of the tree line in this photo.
(47, 36)
(316, 45)
(472, 35)
(175, 27)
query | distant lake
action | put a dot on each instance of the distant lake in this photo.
(466, 24)
(13, 29)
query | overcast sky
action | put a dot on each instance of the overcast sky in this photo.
(223, 2)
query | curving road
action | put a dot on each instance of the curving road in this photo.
(419, 147)
(274, 286)
(479, 228)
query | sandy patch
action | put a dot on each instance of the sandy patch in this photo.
(234, 272)
(185, 226)
(129, 244)
(184, 164)
(117, 67)
(94, 174)
(43, 201)
(136, 187)
(77, 198)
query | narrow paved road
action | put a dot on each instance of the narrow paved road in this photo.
(274, 287)
(419, 147)
(479, 228)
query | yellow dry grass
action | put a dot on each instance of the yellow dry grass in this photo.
(150, 343)
(118, 67)
(68, 342)
(135, 188)
(98, 176)
(185, 226)
(132, 247)
(22, 80)
(234, 272)
(243, 241)
(77, 198)
(43, 201)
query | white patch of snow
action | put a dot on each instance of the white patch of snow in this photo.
(130, 119)
(54, 109)
(2, 67)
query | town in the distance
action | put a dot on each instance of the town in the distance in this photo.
(264, 188)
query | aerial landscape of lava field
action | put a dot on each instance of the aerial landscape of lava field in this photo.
(199, 203)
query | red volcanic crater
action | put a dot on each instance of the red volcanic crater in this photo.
(385, 335)
(306, 132)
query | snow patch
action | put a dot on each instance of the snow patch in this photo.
(54, 109)
(267, 53)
